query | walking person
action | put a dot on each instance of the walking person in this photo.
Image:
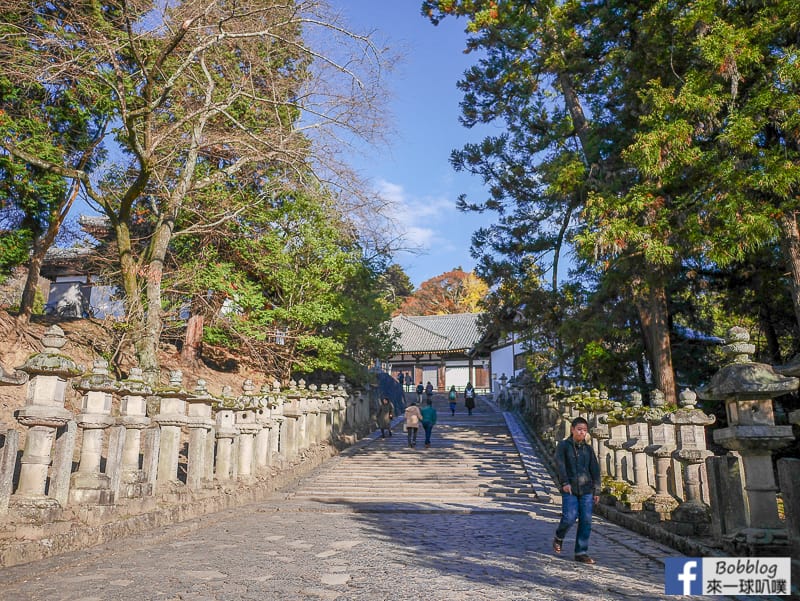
(385, 416)
(413, 420)
(469, 398)
(452, 396)
(420, 390)
(429, 390)
(579, 481)
(428, 421)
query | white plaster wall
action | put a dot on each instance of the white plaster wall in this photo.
(502, 363)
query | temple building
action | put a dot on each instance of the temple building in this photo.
(438, 349)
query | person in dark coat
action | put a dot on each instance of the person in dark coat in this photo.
(385, 416)
(579, 481)
(469, 398)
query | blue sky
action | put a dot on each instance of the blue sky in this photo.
(414, 171)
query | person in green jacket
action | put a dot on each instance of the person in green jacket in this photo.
(428, 421)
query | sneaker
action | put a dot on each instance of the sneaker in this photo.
(557, 545)
(427, 445)
(584, 559)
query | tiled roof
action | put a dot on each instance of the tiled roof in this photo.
(432, 333)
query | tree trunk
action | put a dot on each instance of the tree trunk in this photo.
(790, 245)
(31, 284)
(41, 244)
(152, 323)
(193, 340)
(642, 375)
(651, 304)
(134, 307)
(771, 336)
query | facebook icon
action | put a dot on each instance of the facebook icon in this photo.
(683, 576)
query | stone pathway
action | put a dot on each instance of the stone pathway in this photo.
(468, 519)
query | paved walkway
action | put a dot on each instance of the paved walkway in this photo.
(465, 520)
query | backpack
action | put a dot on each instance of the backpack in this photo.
(420, 389)
(452, 395)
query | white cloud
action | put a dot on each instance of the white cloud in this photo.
(419, 219)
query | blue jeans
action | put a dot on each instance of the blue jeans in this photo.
(427, 428)
(580, 509)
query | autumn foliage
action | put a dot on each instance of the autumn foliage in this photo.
(455, 291)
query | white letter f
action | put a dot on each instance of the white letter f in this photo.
(688, 576)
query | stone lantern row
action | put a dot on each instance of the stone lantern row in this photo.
(660, 453)
(656, 452)
(229, 436)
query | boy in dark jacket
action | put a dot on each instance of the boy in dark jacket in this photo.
(579, 481)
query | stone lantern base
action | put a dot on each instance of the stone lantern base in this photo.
(91, 489)
(36, 508)
(691, 518)
(660, 507)
(758, 542)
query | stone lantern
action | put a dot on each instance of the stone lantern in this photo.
(617, 433)
(276, 440)
(8, 451)
(264, 419)
(291, 416)
(18, 378)
(693, 515)
(133, 417)
(637, 440)
(89, 484)
(501, 395)
(246, 419)
(171, 418)
(200, 423)
(661, 448)
(598, 429)
(47, 419)
(747, 389)
(226, 433)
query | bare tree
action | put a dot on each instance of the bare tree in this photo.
(200, 93)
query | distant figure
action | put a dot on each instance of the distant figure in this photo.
(385, 416)
(469, 398)
(579, 481)
(420, 390)
(401, 378)
(428, 421)
(413, 419)
(452, 396)
(409, 380)
(429, 390)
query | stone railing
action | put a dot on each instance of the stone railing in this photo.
(658, 469)
(131, 449)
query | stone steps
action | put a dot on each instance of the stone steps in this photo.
(473, 462)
